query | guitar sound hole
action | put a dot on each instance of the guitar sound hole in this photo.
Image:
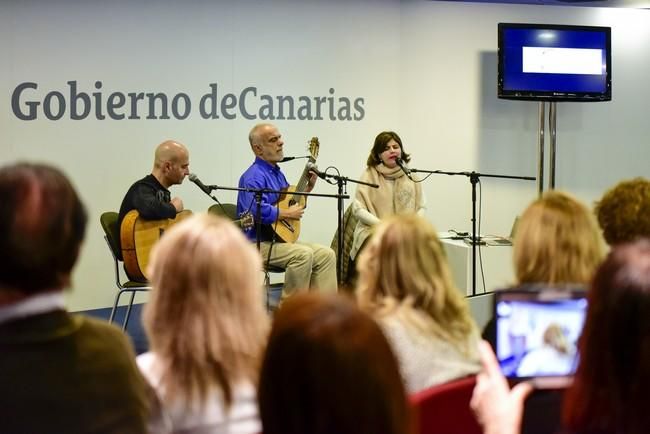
(161, 231)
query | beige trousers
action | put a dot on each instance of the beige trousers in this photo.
(307, 266)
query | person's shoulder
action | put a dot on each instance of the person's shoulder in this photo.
(101, 332)
(254, 175)
(368, 171)
(150, 367)
(148, 181)
(250, 170)
(146, 361)
(96, 325)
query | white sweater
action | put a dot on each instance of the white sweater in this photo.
(241, 418)
(426, 360)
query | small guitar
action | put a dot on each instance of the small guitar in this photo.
(138, 236)
(245, 221)
(288, 230)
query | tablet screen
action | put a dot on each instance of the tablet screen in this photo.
(537, 331)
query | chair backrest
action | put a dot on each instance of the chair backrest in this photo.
(108, 221)
(228, 210)
(444, 409)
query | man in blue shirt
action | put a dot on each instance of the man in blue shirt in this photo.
(307, 266)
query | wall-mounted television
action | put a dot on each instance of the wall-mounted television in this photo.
(548, 62)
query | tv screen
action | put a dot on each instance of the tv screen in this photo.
(546, 62)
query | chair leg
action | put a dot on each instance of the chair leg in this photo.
(267, 290)
(114, 310)
(128, 311)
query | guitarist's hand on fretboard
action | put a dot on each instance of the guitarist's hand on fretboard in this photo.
(313, 177)
(294, 212)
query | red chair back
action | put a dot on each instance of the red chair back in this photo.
(444, 409)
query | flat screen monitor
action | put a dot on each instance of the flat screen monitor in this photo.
(547, 62)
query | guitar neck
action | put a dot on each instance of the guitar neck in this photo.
(303, 182)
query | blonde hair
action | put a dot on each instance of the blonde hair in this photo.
(404, 269)
(555, 337)
(557, 241)
(205, 318)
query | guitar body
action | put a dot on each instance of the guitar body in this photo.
(138, 236)
(288, 230)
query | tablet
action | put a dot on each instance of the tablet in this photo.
(537, 331)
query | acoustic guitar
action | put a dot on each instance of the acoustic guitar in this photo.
(288, 230)
(138, 236)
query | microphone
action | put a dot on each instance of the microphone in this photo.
(314, 168)
(207, 189)
(405, 169)
(285, 159)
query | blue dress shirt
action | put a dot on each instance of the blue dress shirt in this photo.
(261, 174)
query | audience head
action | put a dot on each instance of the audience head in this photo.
(205, 318)
(404, 264)
(624, 211)
(329, 369)
(42, 226)
(381, 142)
(609, 392)
(171, 163)
(557, 241)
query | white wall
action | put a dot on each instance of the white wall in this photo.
(426, 69)
(452, 114)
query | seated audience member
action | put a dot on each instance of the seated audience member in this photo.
(609, 392)
(624, 211)
(397, 193)
(150, 195)
(206, 327)
(329, 369)
(557, 242)
(405, 283)
(59, 373)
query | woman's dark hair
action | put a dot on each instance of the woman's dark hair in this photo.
(610, 389)
(381, 141)
(329, 369)
(42, 225)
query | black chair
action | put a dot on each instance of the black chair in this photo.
(229, 210)
(108, 221)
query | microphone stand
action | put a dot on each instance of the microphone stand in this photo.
(473, 179)
(341, 182)
(258, 201)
